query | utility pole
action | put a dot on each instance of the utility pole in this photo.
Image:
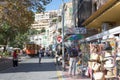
(63, 55)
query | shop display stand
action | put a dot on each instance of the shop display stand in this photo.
(84, 58)
(112, 36)
(96, 64)
(118, 58)
(106, 70)
(111, 71)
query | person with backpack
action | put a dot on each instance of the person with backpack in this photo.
(73, 53)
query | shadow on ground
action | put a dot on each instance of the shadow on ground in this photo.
(31, 67)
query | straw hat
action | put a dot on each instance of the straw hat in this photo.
(109, 74)
(96, 66)
(117, 38)
(98, 75)
(111, 36)
(108, 54)
(109, 63)
(94, 56)
(104, 37)
(118, 54)
(118, 58)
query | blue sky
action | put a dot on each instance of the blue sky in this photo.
(55, 4)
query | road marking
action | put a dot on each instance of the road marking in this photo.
(59, 73)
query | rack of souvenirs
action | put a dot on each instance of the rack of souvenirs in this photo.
(104, 60)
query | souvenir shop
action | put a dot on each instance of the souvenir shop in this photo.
(104, 55)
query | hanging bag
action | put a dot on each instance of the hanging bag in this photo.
(96, 66)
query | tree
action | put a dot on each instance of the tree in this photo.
(19, 13)
(4, 32)
(19, 40)
(17, 16)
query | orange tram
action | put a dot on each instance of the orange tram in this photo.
(32, 49)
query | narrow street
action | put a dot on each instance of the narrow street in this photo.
(30, 69)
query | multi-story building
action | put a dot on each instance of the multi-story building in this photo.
(104, 15)
(105, 19)
(74, 13)
(83, 12)
(44, 20)
(68, 14)
(95, 15)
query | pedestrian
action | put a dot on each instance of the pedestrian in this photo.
(40, 55)
(47, 52)
(15, 58)
(73, 60)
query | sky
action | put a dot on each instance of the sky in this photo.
(55, 4)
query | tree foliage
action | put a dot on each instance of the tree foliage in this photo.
(6, 33)
(19, 13)
(16, 17)
(19, 40)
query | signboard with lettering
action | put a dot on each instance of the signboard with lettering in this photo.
(76, 30)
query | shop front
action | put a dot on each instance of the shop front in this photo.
(104, 59)
(102, 49)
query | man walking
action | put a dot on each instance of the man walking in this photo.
(73, 60)
(40, 54)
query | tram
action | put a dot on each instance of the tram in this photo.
(32, 49)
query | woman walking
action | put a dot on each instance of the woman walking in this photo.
(15, 59)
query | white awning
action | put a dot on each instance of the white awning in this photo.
(115, 30)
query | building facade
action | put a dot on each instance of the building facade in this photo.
(45, 20)
(95, 15)
(104, 15)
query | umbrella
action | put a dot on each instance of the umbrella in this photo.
(75, 37)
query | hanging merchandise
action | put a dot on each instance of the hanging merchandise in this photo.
(118, 67)
(118, 58)
(108, 54)
(107, 46)
(94, 56)
(109, 74)
(109, 62)
(96, 66)
(112, 43)
(109, 57)
(106, 59)
(118, 53)
(98, 76)
(102, 59)
(95, 62)
(111, 36)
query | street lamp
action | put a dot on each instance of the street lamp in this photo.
(63, 55)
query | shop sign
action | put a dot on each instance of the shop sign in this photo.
(82, 30)
(76, 30)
